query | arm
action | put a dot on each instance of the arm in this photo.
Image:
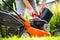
(42, 5)
(26, 2)
(28, 5)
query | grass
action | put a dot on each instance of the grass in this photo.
(31, 38)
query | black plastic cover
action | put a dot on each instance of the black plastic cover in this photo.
(46, 15)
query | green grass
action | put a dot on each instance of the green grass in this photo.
(31, 38)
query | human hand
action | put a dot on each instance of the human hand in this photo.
(32, 12)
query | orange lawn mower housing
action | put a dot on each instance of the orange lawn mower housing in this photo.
(34, 31)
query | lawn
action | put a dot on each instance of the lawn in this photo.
(31, 38)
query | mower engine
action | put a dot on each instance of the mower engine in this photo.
(39, 24)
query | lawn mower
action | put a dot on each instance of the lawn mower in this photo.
(18, 25)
